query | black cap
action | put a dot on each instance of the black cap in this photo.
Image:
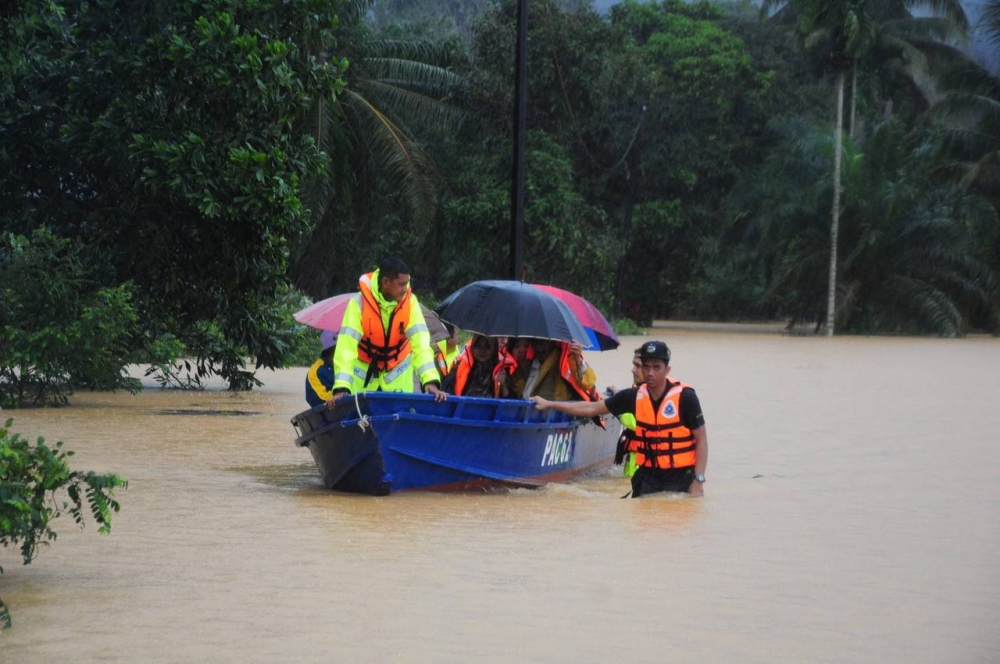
(654, 350)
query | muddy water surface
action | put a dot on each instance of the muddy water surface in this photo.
(852, 514)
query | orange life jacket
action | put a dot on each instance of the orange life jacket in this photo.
(566, 371)
(507, 362)
(463, 366)
(661, 440)
(381, 348)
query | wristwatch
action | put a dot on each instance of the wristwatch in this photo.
(699, 478)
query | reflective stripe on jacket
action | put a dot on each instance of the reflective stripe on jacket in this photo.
(444, 359)
(383, 345)
(661, 440)
(364, 361)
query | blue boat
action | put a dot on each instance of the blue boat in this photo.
(378, 443)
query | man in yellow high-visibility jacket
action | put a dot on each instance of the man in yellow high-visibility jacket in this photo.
(384, 341)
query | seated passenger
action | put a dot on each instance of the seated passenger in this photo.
(446, 351)
(511, 371)
(559, 373)
(319, 379)
(472, 374)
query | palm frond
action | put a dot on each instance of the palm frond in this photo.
(777, 11)
(989, 21)
(353, 12)
(963, 107)
(949, 9)
(925, 28)
(927, 302)
(969, 77)
(431, 53)
(403, 160)
(398, 102)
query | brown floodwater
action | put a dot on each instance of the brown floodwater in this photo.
(851, 514)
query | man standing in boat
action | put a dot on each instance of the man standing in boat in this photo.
(384, 341)
(670, 440)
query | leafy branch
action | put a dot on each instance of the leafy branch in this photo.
(30, 476)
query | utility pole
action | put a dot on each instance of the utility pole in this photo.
(520, 111)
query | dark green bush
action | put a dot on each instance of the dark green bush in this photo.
(59, 329)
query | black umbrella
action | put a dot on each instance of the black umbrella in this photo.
(511, 309)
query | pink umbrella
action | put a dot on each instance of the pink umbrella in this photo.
(602, 335)
(327, 315)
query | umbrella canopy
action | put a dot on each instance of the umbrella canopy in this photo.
(327, 315)
(600, 330)
(512, 309)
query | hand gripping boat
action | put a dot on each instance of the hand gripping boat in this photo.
(377, 442)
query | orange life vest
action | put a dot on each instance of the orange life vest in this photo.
(381, 348)
(566, 371)
(507, 362)
(661, 440)
(463, 366)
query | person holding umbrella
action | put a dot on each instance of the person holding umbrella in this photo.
(670, 440)
(384, 342)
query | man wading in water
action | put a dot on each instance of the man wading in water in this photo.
(670, 440)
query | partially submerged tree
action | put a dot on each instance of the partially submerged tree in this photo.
(169, 138)
(843, 32)
(33, 478)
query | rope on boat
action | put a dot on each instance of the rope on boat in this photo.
(362, 419)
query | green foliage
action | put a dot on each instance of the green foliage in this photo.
(567, 241)
(59, 329)
(171, 141)
(625, 326)
(304, 345)
(30, 477)
(384, 188)
(910, 258)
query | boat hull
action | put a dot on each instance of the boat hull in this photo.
(378, 443)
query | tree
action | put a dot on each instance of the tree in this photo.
(394, 88)
(915, 263)
(170, 139)
(567, 241)
(843, 32)
(659, 108)
(30, 477)
(59, 329)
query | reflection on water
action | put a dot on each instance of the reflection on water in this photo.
(193, 411)
(852, 514)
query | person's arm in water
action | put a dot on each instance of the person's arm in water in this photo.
(574, 408)
(701, 447)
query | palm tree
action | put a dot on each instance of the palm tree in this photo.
(845, 32)
(968, 110)
(914, 263)
(393, 88)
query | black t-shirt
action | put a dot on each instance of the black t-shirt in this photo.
(691, 416)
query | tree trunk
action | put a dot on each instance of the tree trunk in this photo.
(831, 299)
(854, 96)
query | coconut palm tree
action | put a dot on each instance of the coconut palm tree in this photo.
(844, 32)
(914, 262)
(393, 89)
